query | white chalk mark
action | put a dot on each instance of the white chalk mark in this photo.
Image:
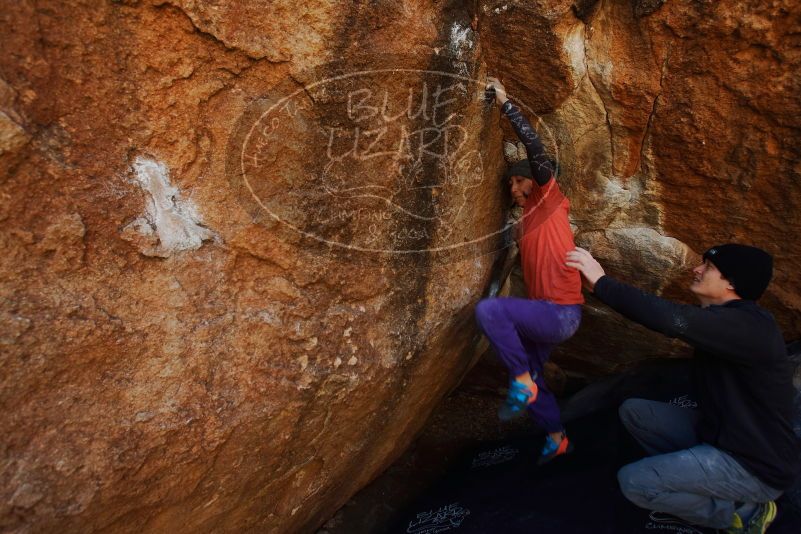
(176, 222)
(461, 41)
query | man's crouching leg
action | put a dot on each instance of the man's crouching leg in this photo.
(658, 426)
(701, 485)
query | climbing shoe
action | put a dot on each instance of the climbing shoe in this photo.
(759, 522)
(737, 526)
(551, 449)
(519, 396)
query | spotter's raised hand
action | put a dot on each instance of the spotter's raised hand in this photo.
(588, 266)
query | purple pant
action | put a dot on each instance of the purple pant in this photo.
(523, 333)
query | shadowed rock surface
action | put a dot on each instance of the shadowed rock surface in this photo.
(201, 331)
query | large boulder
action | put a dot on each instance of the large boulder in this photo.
(205, 326)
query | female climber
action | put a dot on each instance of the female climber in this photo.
(522, 331)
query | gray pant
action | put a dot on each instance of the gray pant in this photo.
(683, 477)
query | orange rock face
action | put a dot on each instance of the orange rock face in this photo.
(241, 255)
(243, 240)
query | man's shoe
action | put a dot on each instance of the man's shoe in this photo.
(759, 522)
(737, 526)
(762, 518)
(551, 449)
(518, 398)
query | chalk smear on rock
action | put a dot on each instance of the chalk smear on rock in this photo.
(173, 220)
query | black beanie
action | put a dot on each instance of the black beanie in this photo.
(523, 168)
(519, 168)
(749, 269)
